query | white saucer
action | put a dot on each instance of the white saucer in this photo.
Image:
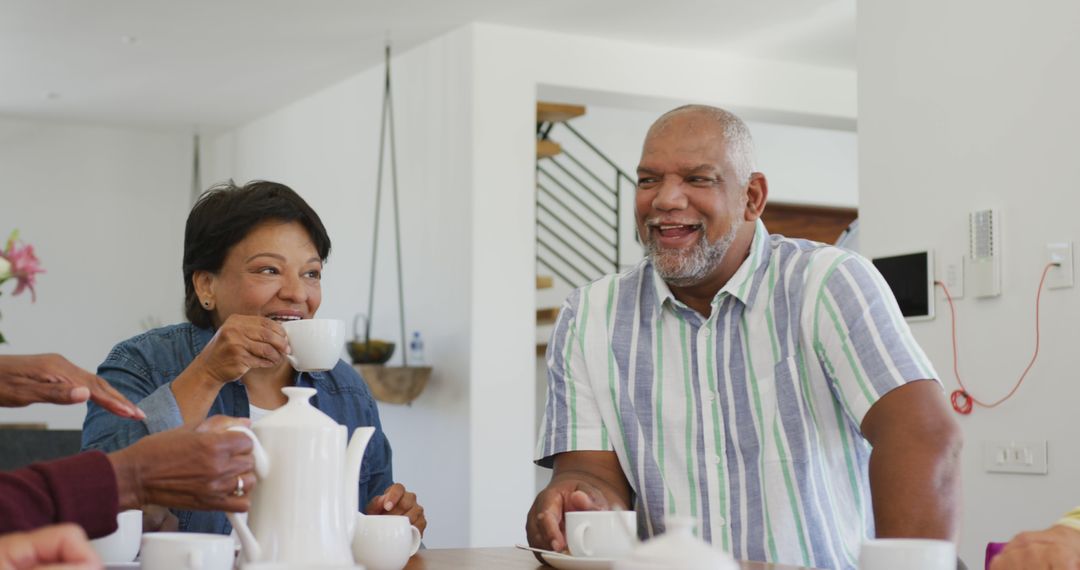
(567, 562)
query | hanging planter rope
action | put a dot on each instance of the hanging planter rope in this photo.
(392, 384)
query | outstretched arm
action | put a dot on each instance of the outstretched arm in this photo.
(51, 378)
(186, 468)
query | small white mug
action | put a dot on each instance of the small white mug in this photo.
(907, 554)
(187, 551)
(384, 542)
(316, 343)
(601, 534)
(122, 545)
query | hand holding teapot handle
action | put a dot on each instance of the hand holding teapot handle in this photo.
(262, 460)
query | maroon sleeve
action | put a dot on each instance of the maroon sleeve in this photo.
(79, 489)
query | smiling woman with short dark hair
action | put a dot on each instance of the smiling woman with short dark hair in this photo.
(253, 258)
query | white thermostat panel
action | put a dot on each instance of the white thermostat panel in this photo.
(984, 262)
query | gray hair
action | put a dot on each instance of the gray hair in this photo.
(740, 145)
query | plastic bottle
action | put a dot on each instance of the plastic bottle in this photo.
(416, 350)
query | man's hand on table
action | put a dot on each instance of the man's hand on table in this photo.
(188, 468)
(545, 528)
(1052, 548)
(581, 481)
(59, 546)
(395, 500)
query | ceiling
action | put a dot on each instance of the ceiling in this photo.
(218, 63)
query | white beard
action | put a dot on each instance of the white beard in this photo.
(685, 268)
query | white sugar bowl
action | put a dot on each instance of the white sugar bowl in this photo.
(676, 549)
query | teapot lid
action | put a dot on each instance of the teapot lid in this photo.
(298, 411)
(676, 548)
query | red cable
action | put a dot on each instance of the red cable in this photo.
(962, 399)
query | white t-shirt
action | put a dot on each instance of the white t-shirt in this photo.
(258, 413)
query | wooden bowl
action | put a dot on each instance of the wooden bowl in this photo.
(395, 384)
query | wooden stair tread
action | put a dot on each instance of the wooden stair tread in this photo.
(557, 112)
(545, 282)
(547, 316)
(547, 148)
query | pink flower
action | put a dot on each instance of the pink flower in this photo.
(24, 266)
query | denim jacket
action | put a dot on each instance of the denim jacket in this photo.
(143, 367)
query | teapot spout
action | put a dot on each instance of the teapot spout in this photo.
(354, 458)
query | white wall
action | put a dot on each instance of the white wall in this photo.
(971, 105)
(465, 109)
(104, 209)
(808, 165)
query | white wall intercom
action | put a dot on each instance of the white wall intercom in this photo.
(984, 262)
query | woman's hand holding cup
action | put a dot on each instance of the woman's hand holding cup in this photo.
(241, 343)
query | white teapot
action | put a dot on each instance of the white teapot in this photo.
(304, 509)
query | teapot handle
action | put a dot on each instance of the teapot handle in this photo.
(252, 550)
(262, 460)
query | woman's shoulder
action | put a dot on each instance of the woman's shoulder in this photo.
(180, 333)
(166, 345)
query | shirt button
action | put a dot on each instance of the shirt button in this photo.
(708, 331)
(719, 520)
(711, 396)
(716, 459)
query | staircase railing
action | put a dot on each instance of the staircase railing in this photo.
(578, 227)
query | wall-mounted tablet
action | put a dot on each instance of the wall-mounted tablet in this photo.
(911, 278)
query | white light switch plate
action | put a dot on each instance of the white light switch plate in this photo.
(1059, 277)
(1027, 457)
(953, 278)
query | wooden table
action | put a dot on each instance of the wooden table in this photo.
(510, 559)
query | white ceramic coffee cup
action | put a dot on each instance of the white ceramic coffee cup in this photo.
(316, 343)
(601, 534)
(384, 542)
(122, 545)
(907, 554)
(187, 551)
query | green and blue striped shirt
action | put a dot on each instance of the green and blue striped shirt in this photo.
(747, 420)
